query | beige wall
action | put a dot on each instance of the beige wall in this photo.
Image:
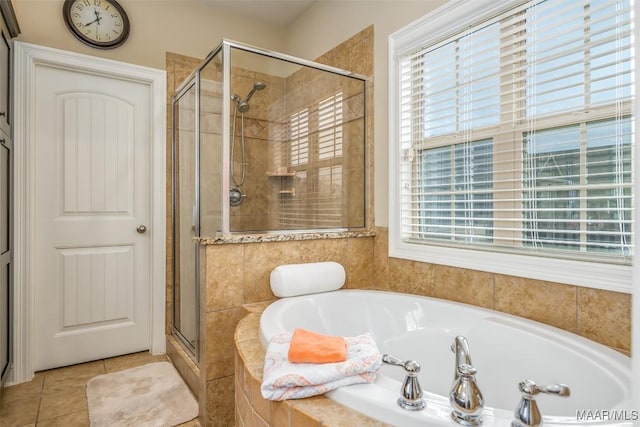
(190, 27)
(326, 24)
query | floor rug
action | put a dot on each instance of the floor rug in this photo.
(149, 395)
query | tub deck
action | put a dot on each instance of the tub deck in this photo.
(254, 411)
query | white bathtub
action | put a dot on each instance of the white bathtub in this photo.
(504, 349)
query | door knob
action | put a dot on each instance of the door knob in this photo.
(141, 229)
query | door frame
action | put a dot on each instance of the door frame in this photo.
(27, 57)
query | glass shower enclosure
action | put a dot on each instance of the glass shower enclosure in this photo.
(263, 142)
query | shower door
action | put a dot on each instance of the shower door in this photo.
(185, 218)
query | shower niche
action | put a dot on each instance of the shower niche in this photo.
(262, 143)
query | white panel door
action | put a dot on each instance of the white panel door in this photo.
(92, 187)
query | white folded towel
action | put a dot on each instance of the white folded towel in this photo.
(284, 380)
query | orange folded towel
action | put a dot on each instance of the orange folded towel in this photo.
(309, 347)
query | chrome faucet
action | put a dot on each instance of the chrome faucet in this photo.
(527, 413)
(465, 397)
(460, 348)
(411, 392)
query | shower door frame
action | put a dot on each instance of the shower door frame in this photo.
(225, 48)
(226, 45)
(193, 81)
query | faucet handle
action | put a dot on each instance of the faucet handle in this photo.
(410, 366)
(530, 389)
(559, 389)
(411, 392)
(527, 413)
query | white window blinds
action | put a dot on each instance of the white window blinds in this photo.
(517, 134)
(316, 160)
(299, 137)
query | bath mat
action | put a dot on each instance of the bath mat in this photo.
(149, 395)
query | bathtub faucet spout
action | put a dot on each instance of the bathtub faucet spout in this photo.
(465, 397)
(460, 348)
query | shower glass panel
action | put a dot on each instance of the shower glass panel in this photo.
(210, 176)
(185, 218)
(297, 144)
(262, 143)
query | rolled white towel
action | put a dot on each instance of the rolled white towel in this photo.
(284, 380)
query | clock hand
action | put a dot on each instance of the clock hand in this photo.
(98, 26)
(89, 23)
(98, 18)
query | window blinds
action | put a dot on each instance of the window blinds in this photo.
(517, 134)
(316, 142)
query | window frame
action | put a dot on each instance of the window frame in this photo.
(434, 27)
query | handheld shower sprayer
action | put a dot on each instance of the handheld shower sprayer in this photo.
(256, 86)
(236, 195)
(243, 104)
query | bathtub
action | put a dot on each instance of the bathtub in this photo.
(504, 349)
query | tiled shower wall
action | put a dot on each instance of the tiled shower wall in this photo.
(238, 274)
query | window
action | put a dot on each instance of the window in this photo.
(586, 210)
(514, 138)
(330, 127)
(315, 155)
(299, 137)
(455, 192)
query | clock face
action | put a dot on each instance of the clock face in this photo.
(98, 23)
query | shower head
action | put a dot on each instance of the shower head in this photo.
(243, 104)
(256, 86)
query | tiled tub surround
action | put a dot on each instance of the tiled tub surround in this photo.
(238, 274)
(254, 411)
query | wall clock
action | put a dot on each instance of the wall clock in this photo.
(102, 24)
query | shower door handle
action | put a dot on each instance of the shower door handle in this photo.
(141, 229)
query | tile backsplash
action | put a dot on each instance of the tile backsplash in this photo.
(602, 316)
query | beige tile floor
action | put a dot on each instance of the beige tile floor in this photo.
(56, 398)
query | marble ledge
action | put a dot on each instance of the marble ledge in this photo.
(277, 237)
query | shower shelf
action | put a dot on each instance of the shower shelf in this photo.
(289, 191)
